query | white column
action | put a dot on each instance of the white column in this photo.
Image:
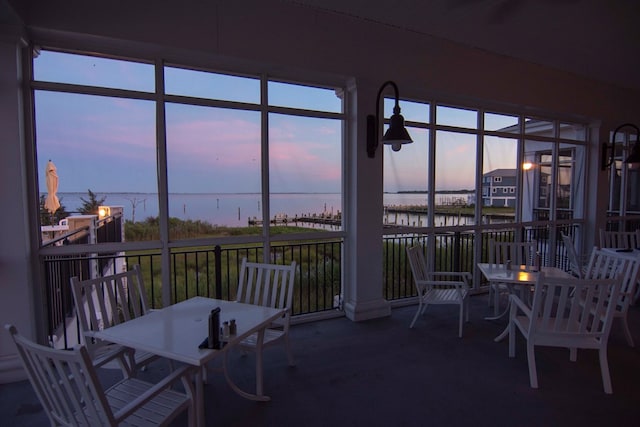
(363, 281)
(16, 279)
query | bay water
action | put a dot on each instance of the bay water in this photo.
(235, 210)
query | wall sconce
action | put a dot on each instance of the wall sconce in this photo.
(396, 135)
(609, 150)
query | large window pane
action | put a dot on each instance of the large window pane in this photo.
(305, 165)
(537, 180)
(405, 181)
(455, 177)
(304, 97)
(199, 84)
(499, 179)
(98, 144)
(576, 132)
(93, 71)
(459, 117)
(411, 111)
(213, 166)
(501, 122)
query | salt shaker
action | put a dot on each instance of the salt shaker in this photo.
(225, 329)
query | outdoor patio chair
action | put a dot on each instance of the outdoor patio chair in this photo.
(436, 287)
(70, 392)
(515, 253)
(566, 312)
(576, 263)
(269, 285)
(620, 239)
(605, 264)
(106, 301)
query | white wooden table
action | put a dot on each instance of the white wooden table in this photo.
(516, 276)
(175, 332)
(631, 253)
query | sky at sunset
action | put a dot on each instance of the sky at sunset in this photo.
(108, 144)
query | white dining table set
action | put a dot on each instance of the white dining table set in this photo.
(515, 276)
(177, 331)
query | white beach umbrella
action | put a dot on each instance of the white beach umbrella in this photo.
(51, 203)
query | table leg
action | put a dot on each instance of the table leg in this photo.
(499, 316)
(199, 397)
(502, 335)
(506, 310)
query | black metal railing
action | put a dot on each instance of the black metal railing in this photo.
(454, 251)
(213, 271)
(210, 272)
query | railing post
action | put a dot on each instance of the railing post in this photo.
(456, 251)
(217, 251)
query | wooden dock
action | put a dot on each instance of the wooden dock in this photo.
(283, 219)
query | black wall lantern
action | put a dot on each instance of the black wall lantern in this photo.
(396, 135)
(609, 150)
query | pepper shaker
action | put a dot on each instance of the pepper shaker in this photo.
(233, 328)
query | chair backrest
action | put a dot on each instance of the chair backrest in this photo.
(605, 265)
(418, 264)
(572, 308)
(574, 262)
(269, 285)
(519, 253)
(109, 300)
(619, 239)
(65, 382)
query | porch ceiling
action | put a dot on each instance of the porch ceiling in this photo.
(593, 38)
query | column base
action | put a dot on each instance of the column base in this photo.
(11, 370)
(367, 310)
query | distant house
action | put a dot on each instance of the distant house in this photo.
(499, 188)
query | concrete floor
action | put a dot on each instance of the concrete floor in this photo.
(380, 373)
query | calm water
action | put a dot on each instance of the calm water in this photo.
(234, 210)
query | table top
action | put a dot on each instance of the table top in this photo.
(176, 331)
(517, 274)
(631, 253)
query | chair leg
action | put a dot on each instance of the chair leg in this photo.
(461, 319)
(417, 314)
(531, 357)
(604, 368)
(466, 302)
(287, 347)
(512, 339)
(627, 332)
(573, 354)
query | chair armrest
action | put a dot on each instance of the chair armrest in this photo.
(106, 354)
(182, 373)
